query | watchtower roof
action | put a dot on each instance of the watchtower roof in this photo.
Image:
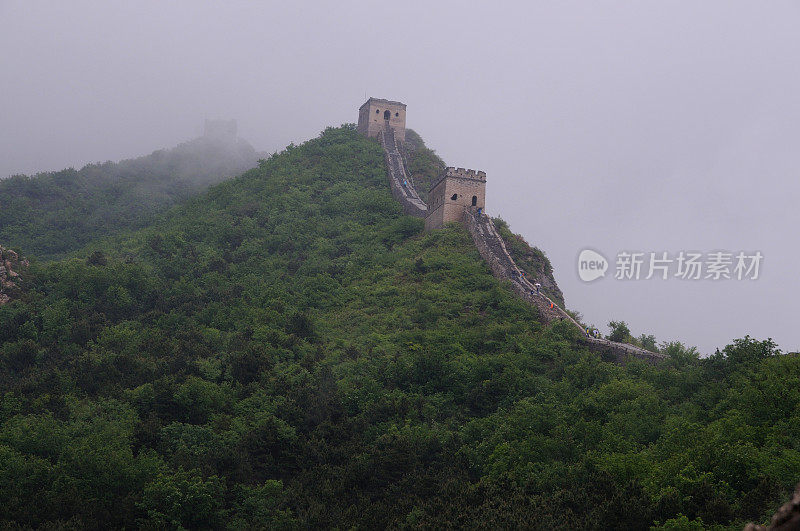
(382, 101)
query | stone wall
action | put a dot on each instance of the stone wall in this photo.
(620, 352)
(399, 181)
(493, 251)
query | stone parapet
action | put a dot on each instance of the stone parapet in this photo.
(400, 183)
(493, 251)
(467, 174)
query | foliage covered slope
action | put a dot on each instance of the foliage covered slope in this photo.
(288, 350)
(424, 165)
(50, 214)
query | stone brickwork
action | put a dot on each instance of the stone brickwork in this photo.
(375, 114)
(399, 181)
(455, 191)
(493, 251)
(621, 352)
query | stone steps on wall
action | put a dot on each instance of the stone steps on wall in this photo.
(494, 252)
(400, 182)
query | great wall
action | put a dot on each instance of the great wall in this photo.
(402, 189)
(459, 195)
(466, 205)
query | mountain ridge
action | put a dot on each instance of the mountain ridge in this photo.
(288, 350)
(50, 214)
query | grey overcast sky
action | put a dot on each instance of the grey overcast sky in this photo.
(621, 125)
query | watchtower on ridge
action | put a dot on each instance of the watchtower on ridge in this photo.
(455, 191)
(375, 114)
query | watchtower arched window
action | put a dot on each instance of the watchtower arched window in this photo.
(454, 197)
(387, 115)
(474, 200)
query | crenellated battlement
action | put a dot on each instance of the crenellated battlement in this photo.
(461, 172)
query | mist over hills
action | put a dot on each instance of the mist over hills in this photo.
(51, 214)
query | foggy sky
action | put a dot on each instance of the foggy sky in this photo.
(650, 126)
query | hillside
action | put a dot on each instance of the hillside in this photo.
(50, 214)
(288, 350)
(424, 165)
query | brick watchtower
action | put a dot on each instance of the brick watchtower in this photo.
(374, 115)
(456, 190)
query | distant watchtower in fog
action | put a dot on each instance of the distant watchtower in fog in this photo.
(224, 129)
(455, 191)
(376, 114)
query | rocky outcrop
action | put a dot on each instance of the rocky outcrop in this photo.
(10, 267)
(786, 519)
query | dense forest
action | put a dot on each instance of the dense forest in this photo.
(287, 350)
(50, 214)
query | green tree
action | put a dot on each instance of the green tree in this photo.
(183, 499)
(619, 331)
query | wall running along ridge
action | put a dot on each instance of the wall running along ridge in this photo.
(493, 251)
(399, 179)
